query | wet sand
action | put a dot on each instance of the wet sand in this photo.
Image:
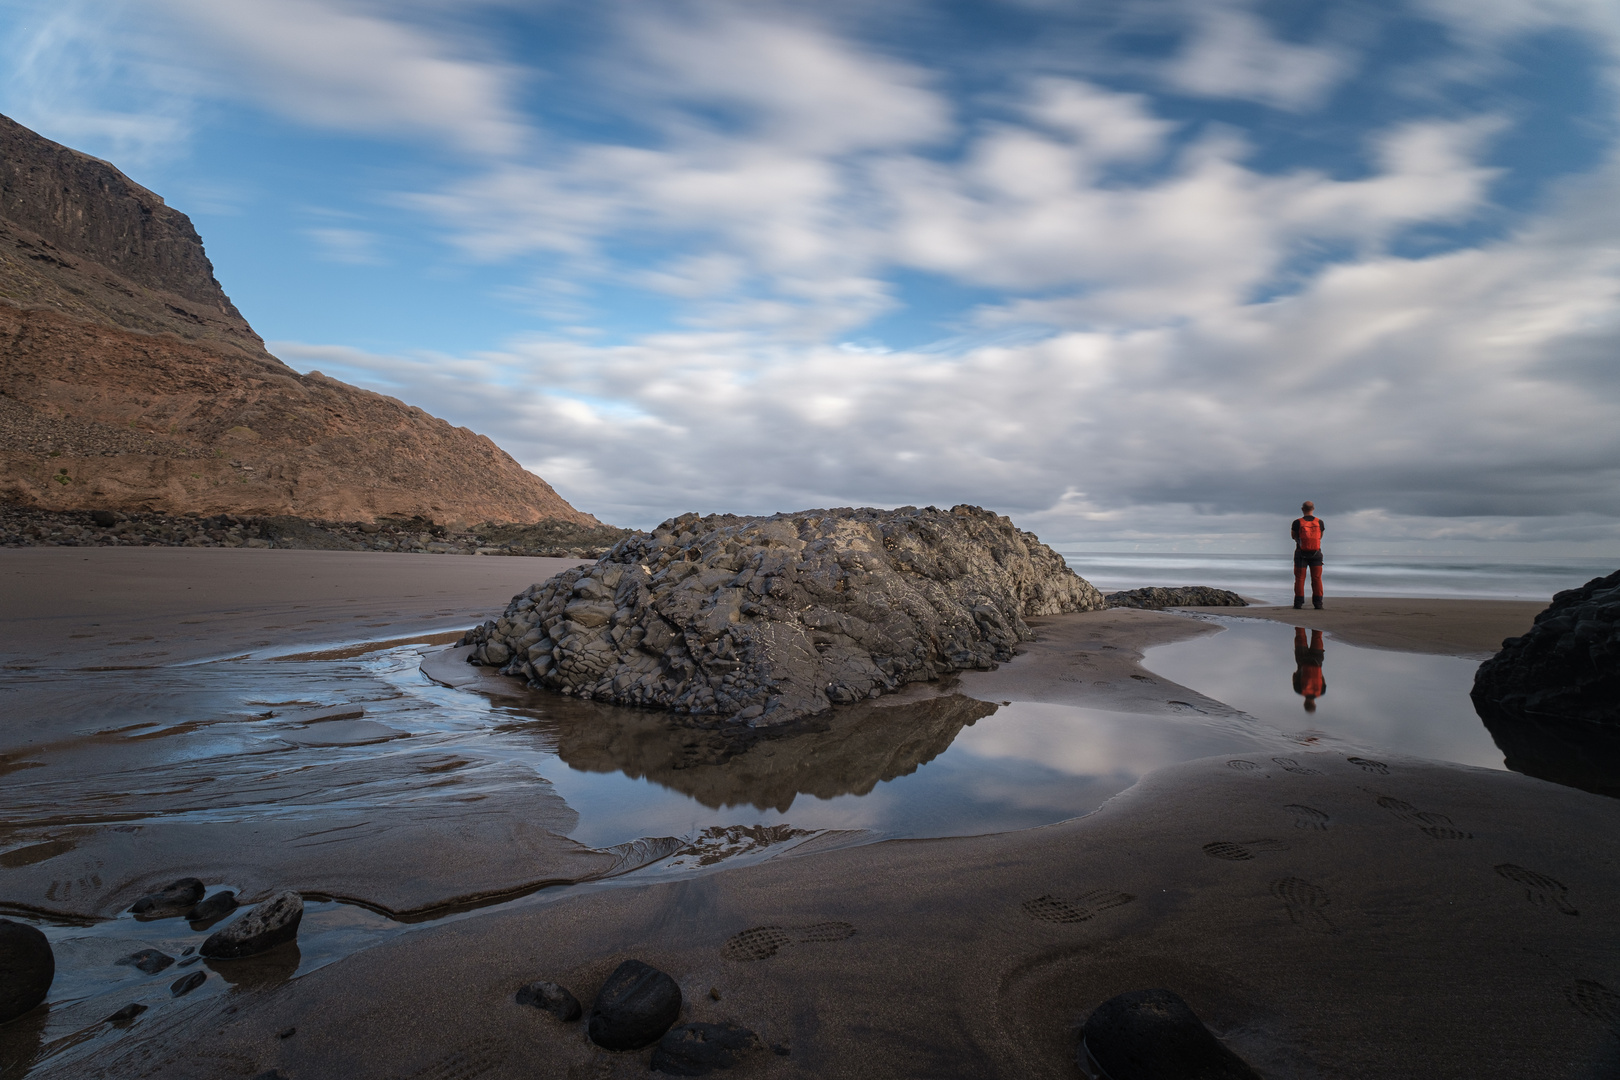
(1327, 917)
(1363, 918)
(1471, 628)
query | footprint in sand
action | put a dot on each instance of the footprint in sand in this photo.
(1290, 765)
(1369, 765)
(1539, 888)
(1061, 909)
(1437, 826)
(1596, 1001)
(1242, 766)
(1307, 817)
(760, 942)
(1304, 902)
(466, 1063)
(1242, 851)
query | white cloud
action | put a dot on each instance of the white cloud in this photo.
(357, 247)
(1234, 54)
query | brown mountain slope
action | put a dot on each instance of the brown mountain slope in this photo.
(129, 381)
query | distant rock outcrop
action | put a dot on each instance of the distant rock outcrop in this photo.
(130, 382)
(768, 619)
(1157, 599)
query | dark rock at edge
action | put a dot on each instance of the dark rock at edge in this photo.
(271, 923)
(634, 1008)
(553, 998)
(217, 906)
(148, 960)
(185, 984)
(126, 1014)
(699, 1049)
(175, 899)
(105, 518)
(1156, 599)
(1155, 1035)
(27, 968)
(1567, 666)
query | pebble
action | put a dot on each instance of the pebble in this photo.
(217, 906)
(1155, 1035)
(126, 1014)
(634, 1008)
(27, 968)
(699, 1049)
(185, 984)
(269, 924)
(553, 998)
(175, 899)
(148, 960)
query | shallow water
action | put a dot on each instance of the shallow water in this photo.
(219, 742)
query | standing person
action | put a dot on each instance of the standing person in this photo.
(1307, 531)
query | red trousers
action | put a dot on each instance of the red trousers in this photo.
(1316, 582)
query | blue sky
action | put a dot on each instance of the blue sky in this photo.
(1140, 273)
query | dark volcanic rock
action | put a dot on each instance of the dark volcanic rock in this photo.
(27, 967)
(700, 1049)
(1568, 665)
(217, 906)
(554, 999)
(634, 1008)
(269, 924)
(1551, 699)
(768, 619)
(175, 899)
(1154, 1035)
(148, 960)
(1157, 599)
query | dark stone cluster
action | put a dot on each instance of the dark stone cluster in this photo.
(1567, 666)
(1157, 599)
(764, 620)
(25, 526)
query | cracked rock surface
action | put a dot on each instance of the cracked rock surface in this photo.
(764, 620)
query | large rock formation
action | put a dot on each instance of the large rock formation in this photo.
(1157, 599)
(768, 619)
(1551, 698)
(129, 381)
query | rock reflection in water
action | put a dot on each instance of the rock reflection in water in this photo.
(1576, 753)
(848, 751)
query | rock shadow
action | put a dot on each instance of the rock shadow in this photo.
(1576, 753)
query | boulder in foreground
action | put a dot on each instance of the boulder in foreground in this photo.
(27, 968)
(768, 619)
(269, 924)
(634, 1008)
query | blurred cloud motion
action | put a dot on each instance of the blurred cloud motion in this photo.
(1142, 272)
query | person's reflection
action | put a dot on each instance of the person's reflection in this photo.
(1308, 681)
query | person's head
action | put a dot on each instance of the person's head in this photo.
(1307, 506)
(1310, 703)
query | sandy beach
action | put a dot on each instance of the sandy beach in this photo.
(1327, 913)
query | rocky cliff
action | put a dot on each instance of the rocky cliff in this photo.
(769, 619)
(130, 382)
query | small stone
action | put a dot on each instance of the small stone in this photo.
(553, 998)
(1152, 1034)
(105, 518)
(714, 993)
(148, 960)
(636, 1005)
(699, 1049)
(175, 899)
(126, 1014)
(286, 1033)
(27, 968)
(217, 906)
(187, 983)
(269, 924)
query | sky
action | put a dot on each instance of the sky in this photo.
(1141, 275)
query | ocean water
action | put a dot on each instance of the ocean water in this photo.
(1271, 577)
